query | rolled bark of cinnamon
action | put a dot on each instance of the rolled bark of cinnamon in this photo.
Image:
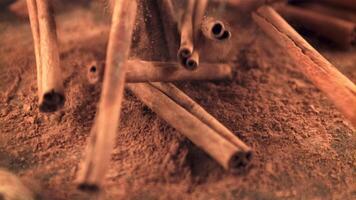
(186, 33)
(33, 15)
(170, 26)
(341, 32)
(52, 97)
(144, 71)
(194, 108)
(340, 90)
(97, 158)
(223, 151)
(331, 11)
(148, 71)
(49, 80)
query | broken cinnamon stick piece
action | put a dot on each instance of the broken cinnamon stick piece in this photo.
(339, 31)
(223, 151)
(52, 96)
(170, 26)
(97, 158)
(186, 33)
(340, 90)
(190, 105)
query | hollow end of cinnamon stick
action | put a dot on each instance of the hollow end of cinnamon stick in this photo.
(217, 29)
(240, 161)
(87, 187)
(95, 72)
(52, 101)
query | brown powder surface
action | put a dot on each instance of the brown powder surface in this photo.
(304, 148)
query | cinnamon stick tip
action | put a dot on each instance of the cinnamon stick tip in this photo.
(87, 187)
(191, 64)
(184, 53)
(52, 101)
(240, 161)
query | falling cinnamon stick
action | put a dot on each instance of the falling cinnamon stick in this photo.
(169, 21)
(341, 32)
(329, 10)
(190, 105)
(223, 151)
(52, 97)
(192, 61)
(186, 33)
(49, 80)
(33, 16)
(97, 158)
(340, 90)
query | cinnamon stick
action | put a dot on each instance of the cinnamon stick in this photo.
(341, 32)
(186, 33)
(223, 151)
(99, 149)
(329, 10)
(340, 90)
(49, 80)
(148, 71)
(169, 21)
(192, 61)
(52, 97)
(33, 16)
(190, 105)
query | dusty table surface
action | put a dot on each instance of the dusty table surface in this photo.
(304, 148)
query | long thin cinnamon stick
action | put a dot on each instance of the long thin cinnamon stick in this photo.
(186, 33)
(148, 71)
(223, 151)
(33, 15)
(341, 32)
(340, 90)
(192, 61)
(98, 154)
(52, 97)
(190, 105)
(170, 25)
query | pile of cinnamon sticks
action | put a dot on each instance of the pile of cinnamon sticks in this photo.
(334, 20)
(166, 100)
(146, 78)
